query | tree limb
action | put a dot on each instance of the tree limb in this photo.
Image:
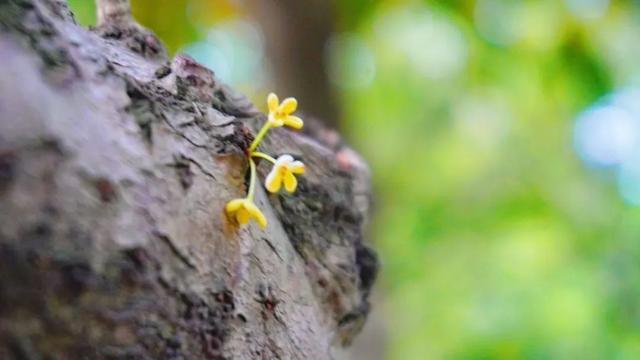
(115, 166)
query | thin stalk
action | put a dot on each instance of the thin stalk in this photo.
(261, 134)
(264, 156)
(252, 179)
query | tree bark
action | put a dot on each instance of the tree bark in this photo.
(115, 166)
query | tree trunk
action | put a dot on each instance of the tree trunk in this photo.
(115, 166)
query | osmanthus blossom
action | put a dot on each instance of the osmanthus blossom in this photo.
(283, 172)
(245, 209)
(280, 113)
(284, 168)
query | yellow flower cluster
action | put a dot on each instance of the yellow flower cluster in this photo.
(284, 168)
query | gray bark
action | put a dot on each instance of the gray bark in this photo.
(115, 166)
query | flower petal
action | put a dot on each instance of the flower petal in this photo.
(261, 219)
(256, 213)
(290, 182)
(242, 216)
(273, 181)
(297, 167)
(233, 205)
(289, 105)
(274, 120)
(273, 102)
(284, 160)
(294, 122)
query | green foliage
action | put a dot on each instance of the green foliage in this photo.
(497, 241)
(84, 11)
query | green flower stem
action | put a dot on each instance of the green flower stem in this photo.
(252, 179)
(264, 156)
(261, 134)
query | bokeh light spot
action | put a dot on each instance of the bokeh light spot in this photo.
(234, 49)
(498, 22)
(433, 45)
(587, 9)
(483, 119)
(351, 62)
(629, 181)
(606, 135)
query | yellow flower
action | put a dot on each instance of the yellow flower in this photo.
(280, 114)
(244, 209)
(283, 171)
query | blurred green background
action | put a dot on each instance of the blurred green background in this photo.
(504, 139)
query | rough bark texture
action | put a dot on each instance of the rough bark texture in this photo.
(115, 165)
